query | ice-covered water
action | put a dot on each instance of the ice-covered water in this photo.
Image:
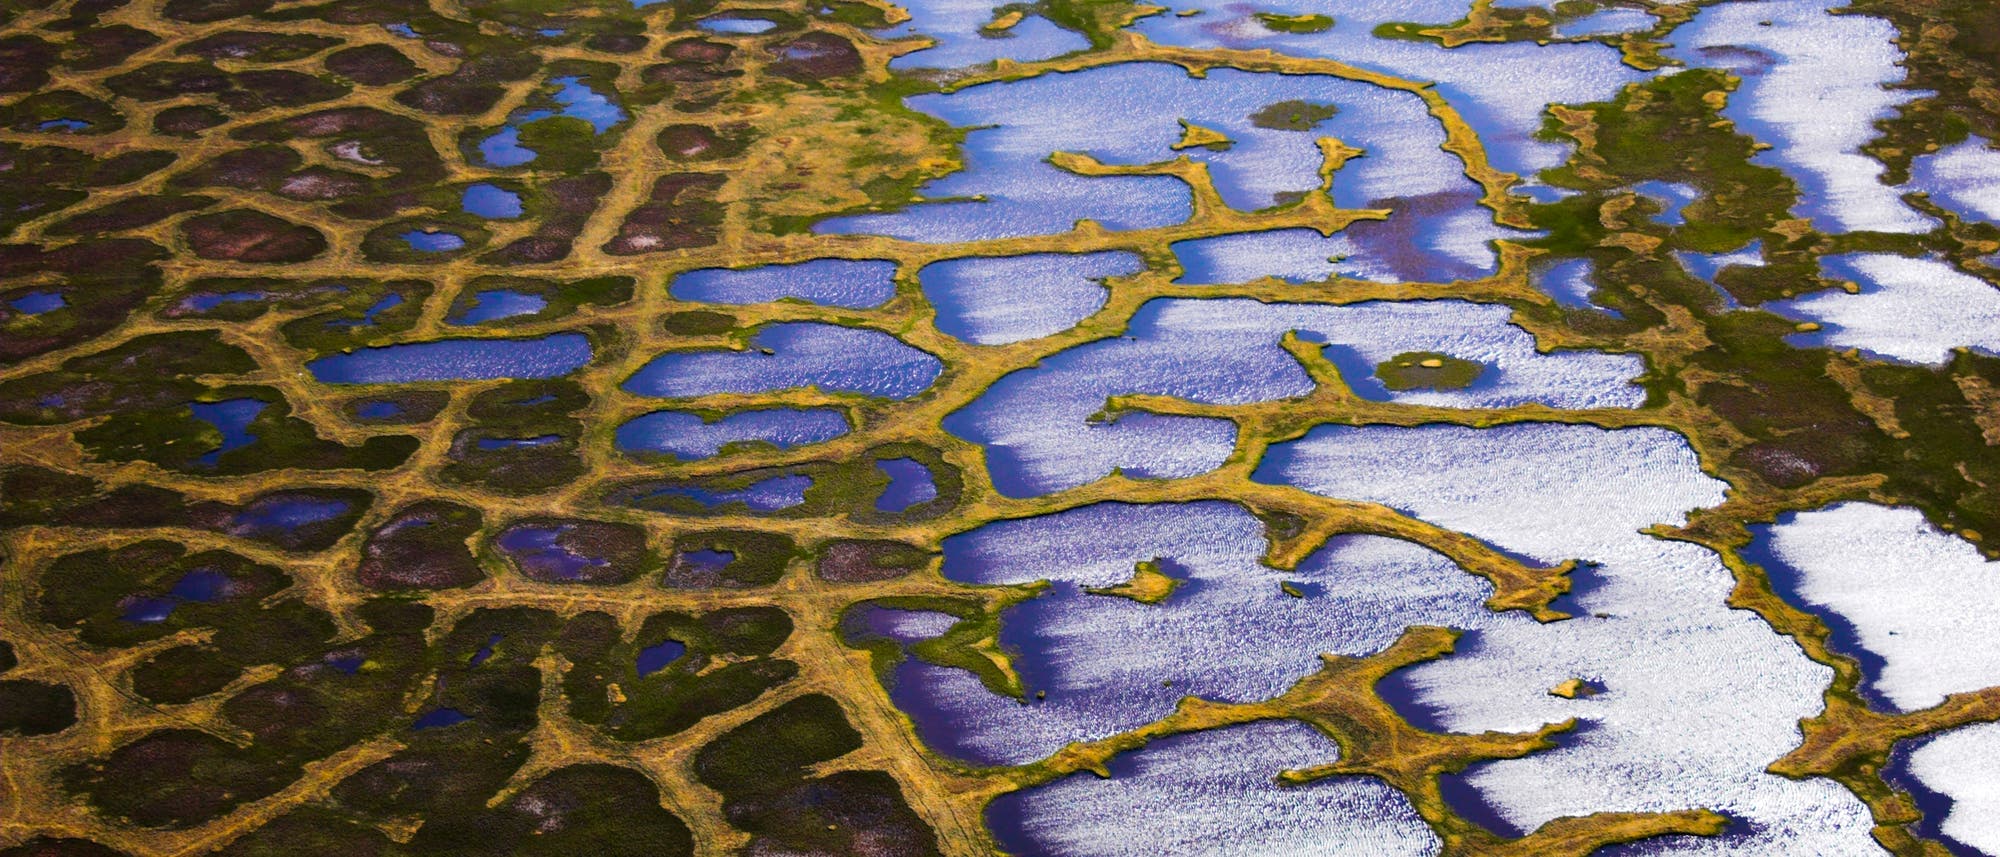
(687, 435)
(1229, 632)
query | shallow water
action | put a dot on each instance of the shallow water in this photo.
(491, 202)
(1813, 89)
(955, 24)
(828, 282)
(231, 417)
(1912, 310)
(910, 484)
(1131, 114)
(830, 357)
(689, 436)
(497, 304)
(1911, 602)
(1698, 697)
(1213, 793)
(1039, 438)
(456, 360)
(997, 300)
(1500, 89)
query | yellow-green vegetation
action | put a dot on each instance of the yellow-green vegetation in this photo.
(390, 672)
(1197, 137)
(1150, 584)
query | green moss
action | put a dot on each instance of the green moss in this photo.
(1281, 23)
(1428, 370)
(1293, 115)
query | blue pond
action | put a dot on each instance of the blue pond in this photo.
(67, 126)
(829, 282)
(575, 99)
(496, 304)
(270, 516)
(36, 303)
(707, 559)
(659, 656)
(148, 611)
(910, 483)
(433, 240)
(540, 551)
(735, 26)
(492, 443)
(958, 27)
(791, 356)
(232, 418)
(210, 300)
(200, 586)
(689, 436)
(379, 409)
(485, 652)
(491, 202)
(456, 360)
(998, 300)
(387, 303)
(440, 717)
